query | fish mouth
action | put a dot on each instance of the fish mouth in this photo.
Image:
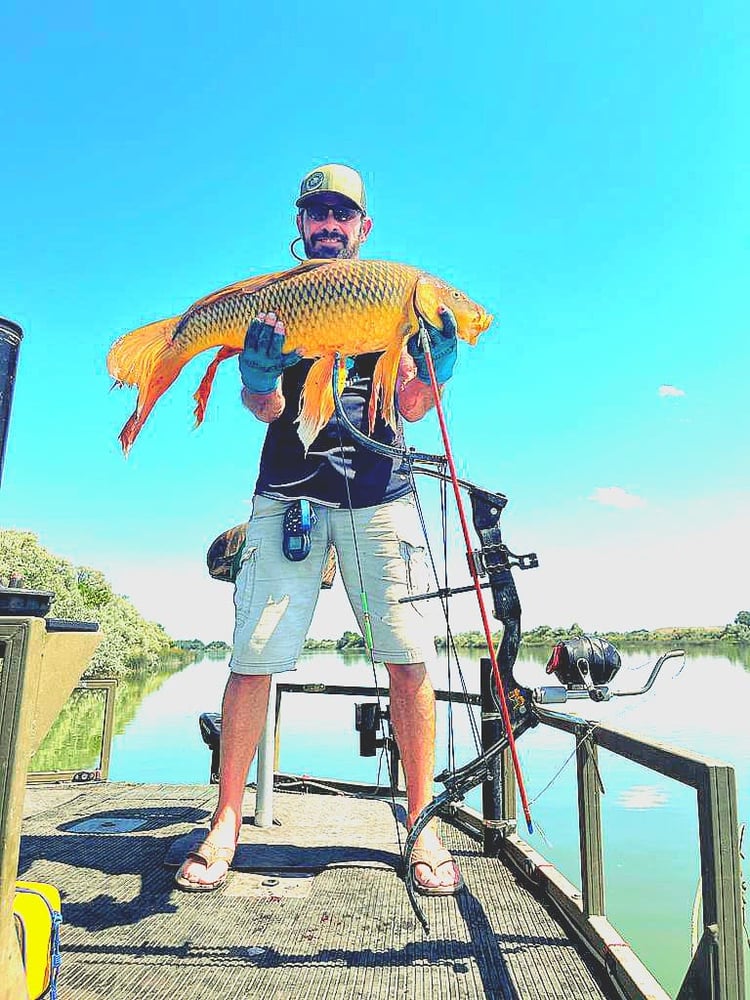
(482, 322)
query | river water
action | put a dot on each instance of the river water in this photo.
(650, 822)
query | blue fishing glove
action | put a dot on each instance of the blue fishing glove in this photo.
(443, 347)
(261, 360)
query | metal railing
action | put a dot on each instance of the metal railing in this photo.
(716, 971)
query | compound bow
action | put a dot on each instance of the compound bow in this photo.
(585, 665)
(494, 560)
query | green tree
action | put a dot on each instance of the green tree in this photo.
(129, 643)
(742, 618)
(350, 640)
(93, 588)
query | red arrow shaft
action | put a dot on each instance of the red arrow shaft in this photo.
(477, 588)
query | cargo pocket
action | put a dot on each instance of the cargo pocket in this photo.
(412, 548)
(417, 569)
(244, 586)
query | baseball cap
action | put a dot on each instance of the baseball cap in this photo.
(333, 178)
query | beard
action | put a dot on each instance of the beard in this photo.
(343, 248)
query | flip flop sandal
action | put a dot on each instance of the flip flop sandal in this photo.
(209, 853)
(433, 860)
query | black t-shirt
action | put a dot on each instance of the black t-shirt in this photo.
(286, 473)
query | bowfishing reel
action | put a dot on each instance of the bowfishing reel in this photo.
(585, 666)
(583, 661)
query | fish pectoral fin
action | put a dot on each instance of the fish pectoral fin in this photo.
(384, 384)
(316, 401)
(206, 384)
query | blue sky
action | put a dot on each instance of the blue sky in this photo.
(580, 169)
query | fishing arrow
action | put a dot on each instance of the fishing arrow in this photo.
(425, 345)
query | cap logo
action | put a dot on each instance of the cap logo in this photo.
(313, 182)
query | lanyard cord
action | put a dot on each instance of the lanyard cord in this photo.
(408, 470)
(367, 626)
(451, 650)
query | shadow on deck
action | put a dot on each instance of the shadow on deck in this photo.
(314, 906)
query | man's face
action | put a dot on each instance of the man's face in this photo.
(332, 226)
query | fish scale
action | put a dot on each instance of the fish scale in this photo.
(335, 306)
(298, 302)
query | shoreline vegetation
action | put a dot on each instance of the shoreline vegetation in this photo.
(131, 645)
(736, 632)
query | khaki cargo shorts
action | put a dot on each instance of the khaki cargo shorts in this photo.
(275, 598)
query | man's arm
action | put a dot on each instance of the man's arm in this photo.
(414, 397)
(414, 389)
(266, 406)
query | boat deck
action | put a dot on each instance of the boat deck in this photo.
(314, 906)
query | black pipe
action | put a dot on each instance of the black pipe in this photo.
(492, 789)
(10, 342)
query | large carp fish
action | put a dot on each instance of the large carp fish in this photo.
(334, 306)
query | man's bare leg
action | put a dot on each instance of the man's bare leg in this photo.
(243, 716)
(413, 718)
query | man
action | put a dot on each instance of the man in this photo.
(361, 506)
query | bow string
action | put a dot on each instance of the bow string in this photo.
(494, 560)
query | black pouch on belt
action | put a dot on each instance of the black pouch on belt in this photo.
(298, 524)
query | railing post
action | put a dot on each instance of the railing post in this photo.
(499, 793)
(277, 728)
(508, 783)
(720, 878)
(590, 824)
(264, 788)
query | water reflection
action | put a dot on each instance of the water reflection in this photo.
(701, 707)
(642, 797)
(74, 741)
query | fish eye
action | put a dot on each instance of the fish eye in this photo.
(456, 295)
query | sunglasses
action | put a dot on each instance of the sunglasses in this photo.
(341, 213)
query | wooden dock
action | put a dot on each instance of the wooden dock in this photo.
(314, 906)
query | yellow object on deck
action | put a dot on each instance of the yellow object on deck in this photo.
(37, 916)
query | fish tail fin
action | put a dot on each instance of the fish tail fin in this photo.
(316, 402)
(384, 385)
(146, 359)
(206, 384)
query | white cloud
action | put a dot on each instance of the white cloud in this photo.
(616, 496)
(640, 572)
(670, 390)
(642, 797)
